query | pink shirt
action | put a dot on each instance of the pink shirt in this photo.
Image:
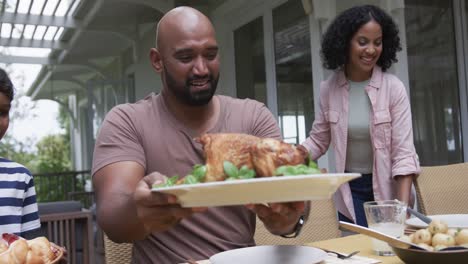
(390, 130)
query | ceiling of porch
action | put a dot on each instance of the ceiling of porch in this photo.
(75, 40)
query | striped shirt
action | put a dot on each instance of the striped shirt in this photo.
(18, 207)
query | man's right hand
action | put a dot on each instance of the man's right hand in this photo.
(158, 211)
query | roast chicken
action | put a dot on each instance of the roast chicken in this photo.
(235, 148)
(263, 155)
(269, 154)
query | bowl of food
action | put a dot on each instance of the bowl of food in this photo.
(15, 249)
(441, 244)
(409, 255)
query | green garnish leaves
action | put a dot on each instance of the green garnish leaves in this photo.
(199, 172)
(281, 170)
(246, 173)
(230, 169)
(313, 164)
(196, 176)
(233, 173)
(190, 179)
(170, 182)
(300, 169)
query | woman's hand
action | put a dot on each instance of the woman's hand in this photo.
(158, 211)
(279, 218)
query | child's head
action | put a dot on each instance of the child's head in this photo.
(6, 96)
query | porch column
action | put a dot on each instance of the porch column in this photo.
(320, 13)
(396, 8)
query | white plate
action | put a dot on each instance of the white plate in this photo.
(270, 255)
(259, 190)
(452, 220)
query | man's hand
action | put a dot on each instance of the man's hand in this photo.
(279, 218)
(158, 211)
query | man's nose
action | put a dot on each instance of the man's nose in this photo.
(200, 67)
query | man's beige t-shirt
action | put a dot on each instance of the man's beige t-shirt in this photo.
(147, 133)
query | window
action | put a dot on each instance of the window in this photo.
(293, 71)
(434, 86)
(250, 61)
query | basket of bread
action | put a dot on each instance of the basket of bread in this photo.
(17, 250)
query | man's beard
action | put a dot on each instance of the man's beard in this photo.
(184, 94)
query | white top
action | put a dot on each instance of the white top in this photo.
(359, 148)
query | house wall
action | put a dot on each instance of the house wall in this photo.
(233, 14)
(146, 79)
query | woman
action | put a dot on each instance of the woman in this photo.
(365, 112)
(18, 207)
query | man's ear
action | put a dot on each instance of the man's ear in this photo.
(156, 61)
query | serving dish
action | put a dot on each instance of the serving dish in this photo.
(279, 254)
(259, 190)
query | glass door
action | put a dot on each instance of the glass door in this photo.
(434, 86)
(293, 71)
(250, 61)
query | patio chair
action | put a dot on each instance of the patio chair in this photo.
(117, 253)
(442, 189)
(322, 224)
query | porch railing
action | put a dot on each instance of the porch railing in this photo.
(60, 186)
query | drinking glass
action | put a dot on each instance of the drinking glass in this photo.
(387, 217)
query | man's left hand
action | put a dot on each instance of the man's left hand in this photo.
(279, 218)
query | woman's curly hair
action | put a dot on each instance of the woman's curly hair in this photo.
(337, 38)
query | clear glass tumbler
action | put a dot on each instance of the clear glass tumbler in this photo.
(387, 217)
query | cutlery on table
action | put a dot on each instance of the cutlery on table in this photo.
(422, 217)
(341, 255)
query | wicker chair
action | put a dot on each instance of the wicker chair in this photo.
(117, 253)
(322, 224)
(442, 189)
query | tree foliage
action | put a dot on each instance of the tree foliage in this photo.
(17, 151)
(21, 109)
(53, 157)
(53, 154)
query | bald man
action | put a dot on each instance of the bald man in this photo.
(139, 144)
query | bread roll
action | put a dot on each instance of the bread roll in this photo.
(21, 251)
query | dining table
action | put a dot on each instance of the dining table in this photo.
(351, 243)
(346, 245)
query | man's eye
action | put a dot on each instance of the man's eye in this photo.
(211, 56)
(184, 58)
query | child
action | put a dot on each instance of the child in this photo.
(18, 207)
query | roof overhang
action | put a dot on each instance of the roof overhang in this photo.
(92, 32)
